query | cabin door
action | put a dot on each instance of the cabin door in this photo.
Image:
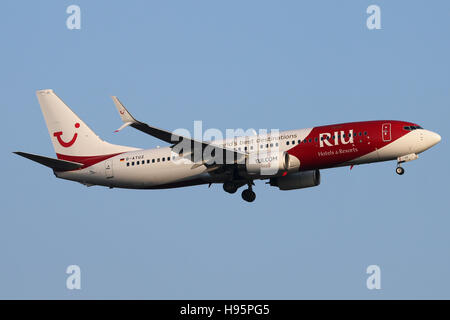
(386, 132)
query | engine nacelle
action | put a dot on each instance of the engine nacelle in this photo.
(297, 180)
(270, 163)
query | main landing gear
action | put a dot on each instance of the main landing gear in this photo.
(248, 194)
(232, 186)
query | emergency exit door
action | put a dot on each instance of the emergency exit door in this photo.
(109, 169)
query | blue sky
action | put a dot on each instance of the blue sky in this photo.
(231, 64)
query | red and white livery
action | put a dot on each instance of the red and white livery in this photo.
(289, 159)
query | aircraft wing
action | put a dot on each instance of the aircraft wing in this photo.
(173, 138)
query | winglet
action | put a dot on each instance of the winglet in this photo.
(126, 124)
(123, 112)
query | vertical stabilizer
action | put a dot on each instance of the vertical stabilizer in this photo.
(71, 137)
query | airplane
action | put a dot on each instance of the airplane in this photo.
(288, 159)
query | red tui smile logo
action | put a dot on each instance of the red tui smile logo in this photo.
(62, 142)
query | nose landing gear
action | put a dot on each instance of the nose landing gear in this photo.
(409, 157)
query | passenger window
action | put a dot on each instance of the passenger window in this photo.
(293, 142)
(276, 144)
(132, 163)
(158, 159)
(137, 163)
(287, 143)
(153, 160)
(365, 133)
(310, 140)
(128, 164)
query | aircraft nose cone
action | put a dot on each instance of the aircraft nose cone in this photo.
(433, 138)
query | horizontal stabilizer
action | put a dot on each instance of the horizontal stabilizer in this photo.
(55, 164)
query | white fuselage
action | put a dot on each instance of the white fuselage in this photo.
(160, 167)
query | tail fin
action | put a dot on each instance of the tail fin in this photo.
(70, 136)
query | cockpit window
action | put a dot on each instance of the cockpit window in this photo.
(409, 128)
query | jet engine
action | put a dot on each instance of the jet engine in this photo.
(270, 164)
(297, 180)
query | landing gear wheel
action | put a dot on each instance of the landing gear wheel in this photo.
(248, 195)
(400, 170)
(229, 187)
